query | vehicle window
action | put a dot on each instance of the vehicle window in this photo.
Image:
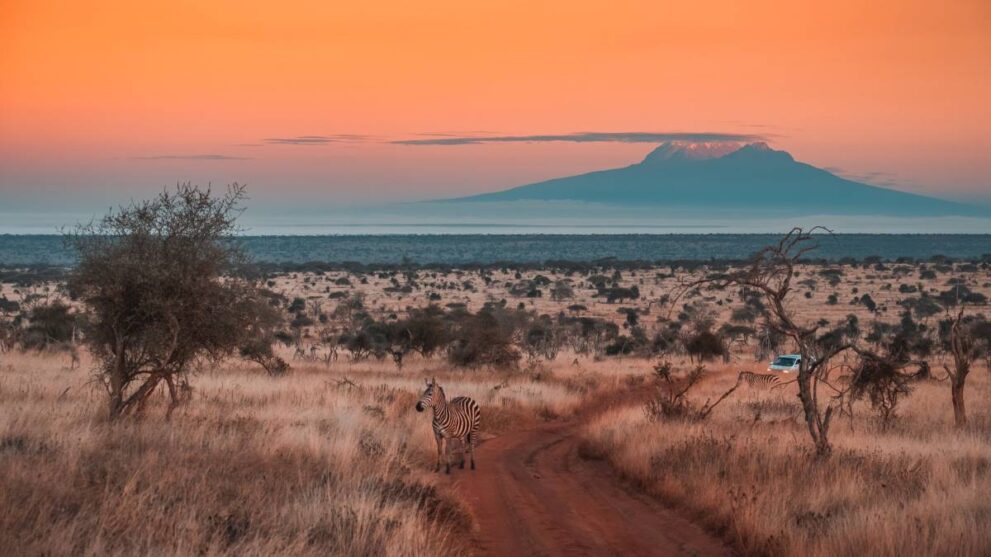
(782, 361)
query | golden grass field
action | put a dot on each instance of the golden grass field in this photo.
(916, 487)
(333, 459)
(305, 464)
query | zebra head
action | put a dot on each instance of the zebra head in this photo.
(431, 396)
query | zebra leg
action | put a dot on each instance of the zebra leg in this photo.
(447, 456)
(440, 449)
(464, 449)
(472, 437)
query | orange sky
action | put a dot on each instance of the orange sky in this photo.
(93, 98)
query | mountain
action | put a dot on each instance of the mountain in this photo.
(752, 177)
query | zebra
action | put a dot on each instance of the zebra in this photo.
(759, 379)
(457, 419)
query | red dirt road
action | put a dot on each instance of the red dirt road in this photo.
(534, 495)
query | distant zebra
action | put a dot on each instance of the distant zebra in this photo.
(759, 379)
(457, 419)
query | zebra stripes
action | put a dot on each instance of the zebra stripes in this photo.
(457, 419)
(759, 379)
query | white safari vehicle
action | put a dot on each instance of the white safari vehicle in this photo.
(786, 363)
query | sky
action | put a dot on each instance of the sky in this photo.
(318, 104)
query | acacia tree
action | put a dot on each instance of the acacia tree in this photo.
(883, 383)
(960, 343)
(154, 277)
(769, 275)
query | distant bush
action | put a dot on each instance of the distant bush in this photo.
(704, 345)
(832, 276)
(620, 294)
(541, 341)
(961, 294)
(622, 345)
(298, 304)
(481, 340)
(882, 383)
(664, 341)
(424, 331)
(264, 331)
(562, 291)
(9, 306)
(260, 351)
(746, 314)
(48, 324)
(922, 307)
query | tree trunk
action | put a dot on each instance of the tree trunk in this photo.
(116, 407)
(962, 356)
(811, 412)
(117, 386)
(956, 390)
(173, 396)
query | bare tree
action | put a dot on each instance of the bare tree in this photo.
(770, 273)
(961, 346)
(153, 277)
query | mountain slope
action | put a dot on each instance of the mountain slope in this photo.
(749, 177)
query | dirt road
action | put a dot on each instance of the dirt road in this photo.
(534, 495)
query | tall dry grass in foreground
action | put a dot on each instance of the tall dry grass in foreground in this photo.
(916, 487)
(308, 464)
(252, 466)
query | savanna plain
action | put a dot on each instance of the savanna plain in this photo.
(320, 451)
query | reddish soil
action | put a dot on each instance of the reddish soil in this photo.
(533, 494)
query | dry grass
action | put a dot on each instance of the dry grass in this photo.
(916, 488)
(308, 465)
(253, 465)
